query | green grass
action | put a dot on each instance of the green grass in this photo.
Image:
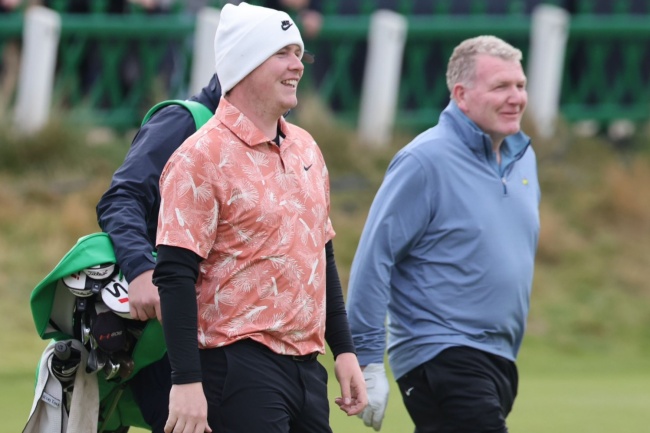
(558, 393)
(582, 402)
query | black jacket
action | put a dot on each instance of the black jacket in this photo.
(128, 210)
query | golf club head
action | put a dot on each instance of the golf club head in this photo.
(85, 333)
(96, 357)
(93, 342)
(102, 359)
(126, 364)
(111, 369)
(92, 364)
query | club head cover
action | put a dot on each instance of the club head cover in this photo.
(100, 272)
(80, 285)
(115, 294)
(108, 330)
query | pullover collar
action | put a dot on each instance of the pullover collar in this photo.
(512, 148)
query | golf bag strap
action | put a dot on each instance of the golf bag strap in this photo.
(200, 112)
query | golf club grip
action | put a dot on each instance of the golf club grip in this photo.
(62, 351)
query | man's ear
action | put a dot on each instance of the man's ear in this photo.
(458, 93)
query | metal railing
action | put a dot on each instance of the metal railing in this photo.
(111, 68)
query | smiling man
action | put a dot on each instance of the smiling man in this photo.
(245, 267)
(447, 253)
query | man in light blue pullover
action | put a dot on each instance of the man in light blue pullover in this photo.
(445, 261)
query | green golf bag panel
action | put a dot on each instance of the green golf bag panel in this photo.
(52, 306)
(52, 303)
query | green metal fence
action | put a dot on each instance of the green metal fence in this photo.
(406, 7)
(111, 68)
(607, 73)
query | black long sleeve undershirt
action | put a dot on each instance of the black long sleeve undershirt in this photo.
(337, 328)
(175, 275)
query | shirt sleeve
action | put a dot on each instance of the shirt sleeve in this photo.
(398, 217)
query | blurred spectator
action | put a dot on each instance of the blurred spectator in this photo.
(9, 5)
(172, 67)
(9, 59)
(85, 6)
(308, 13)
(153, 6)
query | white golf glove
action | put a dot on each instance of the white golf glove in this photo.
(377, 387)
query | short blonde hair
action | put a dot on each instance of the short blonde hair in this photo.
(462, 63)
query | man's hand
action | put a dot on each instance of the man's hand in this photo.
(188, 409)
(144, 302)
(378, 388)
(353, 388)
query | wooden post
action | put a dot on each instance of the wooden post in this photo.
(549, 34)
(203, 66)
(37, 66)
(381, 81)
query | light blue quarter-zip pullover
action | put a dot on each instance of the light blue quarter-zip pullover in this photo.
(446, 256)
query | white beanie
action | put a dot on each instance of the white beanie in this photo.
(246, 36)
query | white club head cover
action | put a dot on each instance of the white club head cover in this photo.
(115, 295)
(378, 389)
(100, 272)
(76, 283)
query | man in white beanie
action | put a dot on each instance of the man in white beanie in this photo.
(245, 258)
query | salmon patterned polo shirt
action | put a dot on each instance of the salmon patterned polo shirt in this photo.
(258, 215)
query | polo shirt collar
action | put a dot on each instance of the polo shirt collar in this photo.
(241, 126)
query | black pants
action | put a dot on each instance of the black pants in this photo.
(249, 389)
(150, 388)
(462, 390)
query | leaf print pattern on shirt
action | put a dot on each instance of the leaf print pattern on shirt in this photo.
(203, 143)
(211, 310)
(211, 220)
(268, 214)
(305, 307)
(243, 194)
(306, 232)
(251, 278)
(312, 275)
(289, 268)
(251, 313)
(200, 193)
(286, 231)
(276, 323)
(285, 180)
(253, 171)
(226, 264)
